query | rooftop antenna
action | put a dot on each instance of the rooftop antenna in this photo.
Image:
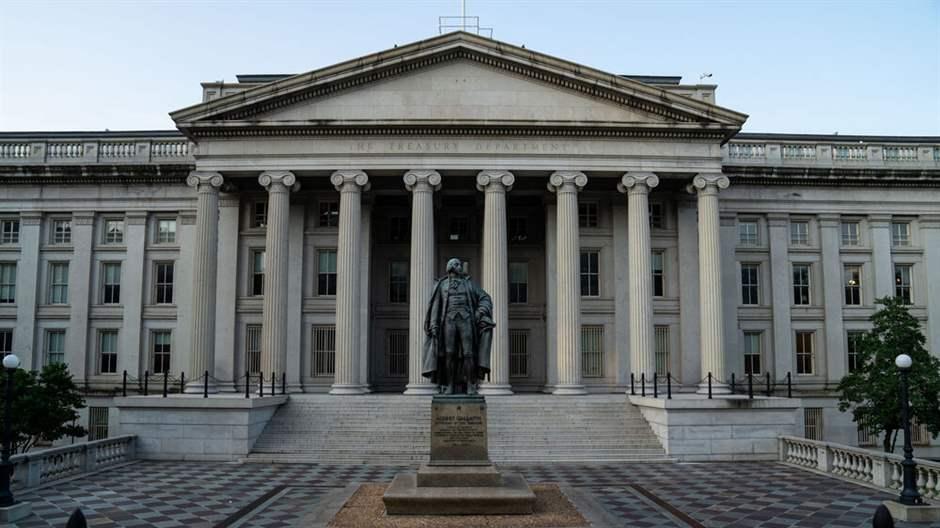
(470, 24)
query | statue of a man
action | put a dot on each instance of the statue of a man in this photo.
(459, 327)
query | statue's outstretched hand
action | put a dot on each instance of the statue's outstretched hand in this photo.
(433, 331)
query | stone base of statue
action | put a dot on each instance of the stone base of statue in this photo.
(459, 479)
(922, 513)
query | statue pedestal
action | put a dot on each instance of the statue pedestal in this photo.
(459, 479)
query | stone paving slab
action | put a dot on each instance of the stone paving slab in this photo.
(655, 495)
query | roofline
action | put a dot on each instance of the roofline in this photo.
(79, 134)
(833, 138)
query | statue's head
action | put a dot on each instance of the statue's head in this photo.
(454, 266)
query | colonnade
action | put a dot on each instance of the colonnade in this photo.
(495, 184)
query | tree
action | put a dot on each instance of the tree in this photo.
(44, 407)
(873, 390)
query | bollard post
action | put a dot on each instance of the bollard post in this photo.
(247, 383)
(750, 386)
(182, 382)
(146, 380)
(709, 385)
(632, 384)
(643, 384)
(124, 385)
(205, 384)
(768, 384)
(166, 379)
(261, 384)
(273, 377)
(789, 386)
(732, 383)
(655, 385)
(668, 385)
(283, 383)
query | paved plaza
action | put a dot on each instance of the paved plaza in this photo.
(194, 494)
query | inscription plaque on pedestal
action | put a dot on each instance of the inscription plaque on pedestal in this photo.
(458, 431)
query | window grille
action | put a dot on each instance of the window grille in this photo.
(850, 233)
(799, 233)
(260, 214)
(163, 293)
(919, 433)
(752, 352)
(329, 214)
(801, 286)
(324, 350)
(59, 283)
(398, 282)
(662, 350)
(396, 353)
(852, 341)
(866, 438)
(659, 286)
(813, 423)
(592, 351)
(111, 283)
(166, 231)
(253, 348)
(97, 423)
(9, 231)
(750, 286)
(805, 353)
(587, 214)
(55, 346)
(902, 283)
(161, 351)
(113, 232)
(257, 272)
(590, 278)
(107, 352)
(853, 285)
(326, 272)
(518, 353)
(7, 282)
(901, 233)
(61, 231)
(657, 219)
(6, 342)
(748, 233)
(518, 282)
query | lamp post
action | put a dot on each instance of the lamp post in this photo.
(10, 363)
(909, 495)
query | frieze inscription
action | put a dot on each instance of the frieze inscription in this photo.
(470, 147)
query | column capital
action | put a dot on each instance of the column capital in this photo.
(496, 178)
(566, 180)
(204, 179)
(413, 178)
(356, 178)
(637, 182)
(267, 179)
(709, 182)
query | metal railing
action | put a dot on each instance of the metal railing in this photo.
(47, 465)
(856, 464)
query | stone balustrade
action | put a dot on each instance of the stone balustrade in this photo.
(91, 150)
(47, 465)
(760, 150)
(855, 464)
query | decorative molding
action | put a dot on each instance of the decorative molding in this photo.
(358, 178)
(188, 217)
(83, 218)
(829, 220)
(560, 179)
(198, 179)
(30, 218)
(495, 177)
(413, 177)
(135, 218)
(271, 179)
(637, 182)
(929, 221)
(776, 219)
(231, 200)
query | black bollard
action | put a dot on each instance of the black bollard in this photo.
(166, 378)
(146, 380)
(732, 383)
(124, 385)
(182, 382)
(247, 383)
(789, 386)
(768, 384)
(750, 386)
(643, 384)
(632, 384)
(261, 384)
(205, 385)
(655, 385)
(283, 383)
(668, 385)
(77, 520)
(709, 385)
(273, 378)
(882, 518)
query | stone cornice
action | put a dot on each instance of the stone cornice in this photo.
(832, 177)
(85, 174)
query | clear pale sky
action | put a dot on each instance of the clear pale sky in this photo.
(797, 66)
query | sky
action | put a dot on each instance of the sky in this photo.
(794, 66)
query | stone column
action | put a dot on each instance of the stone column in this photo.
(710, 292)
(133, 355)
(835, 362)
(350, 184)
(637, 186)
(77, 345)
(566, 185)
(205, 263)
(422, 184)
(274, 310)
(226, 295)
(495, 184)
(27, 281)
(781, 286)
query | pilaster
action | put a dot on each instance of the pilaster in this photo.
(295, 325)
(880, 226)
(781, 286)
(689, 316)
(27, 282)
(80, 295)
(930, 230)
(551, 297)
(835, 363)
(227, 271)
(621, 291)
(730, 293)
(132, 356)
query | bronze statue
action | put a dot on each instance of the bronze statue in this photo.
(459, 327)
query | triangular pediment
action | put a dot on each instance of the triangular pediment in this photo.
(456, 80)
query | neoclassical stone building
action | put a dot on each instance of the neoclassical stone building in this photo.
(294, 224)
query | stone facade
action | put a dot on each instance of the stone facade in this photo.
(319, 207)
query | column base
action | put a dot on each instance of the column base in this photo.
(717, 388)
(198, 387)
(225, 386)
(421, 389)
(569, 389)
(347, 388)
(493, 389)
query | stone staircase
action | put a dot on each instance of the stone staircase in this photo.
(392, 429)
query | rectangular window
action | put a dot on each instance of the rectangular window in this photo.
(163, 292)
(902, 283)
(107, 351)
(518, 353)
(747, 233)
(55, 346)
(459, 229)
(324, 350)
(329, 214)
(750, 284)
(518, 229)
(866, 438)
(852, 341)
(111, 283)
(166, 231)
(850, 234)
(805, 352)
(587, 214)
(326, 272)
(813, 423)
(61, 231)
(58, 283)
(657, 221)
(659, 285)
(6, 341)
(518, 282)
(396, 353)
(257, 272)
(801, 286)
(661, 350)
(161, 351)
(590, 279)
(853, 285)
(9, 231)
(253, 348)
(113, 231)
(592, 351)
(7, 282)
(799, 233)
(398, 282)
(97, 423)
(901, 233)
(259, 214)
(399, 229)
(752, 352)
